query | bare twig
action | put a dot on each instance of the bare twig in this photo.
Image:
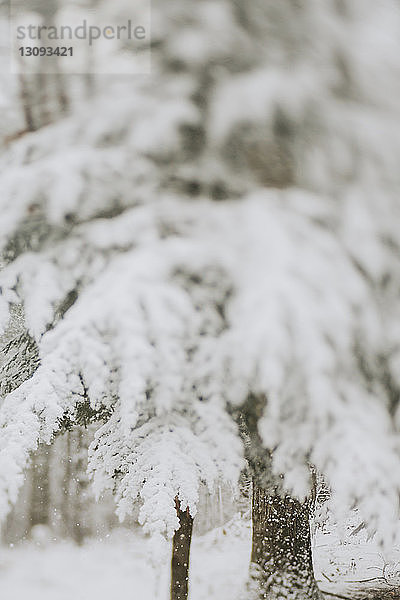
(364, 580)
(336, 595)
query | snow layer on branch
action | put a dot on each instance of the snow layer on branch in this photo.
(162, 442)
(128, 340)
(249, 297)
(167, 457)
(295, 323)
(79, 170)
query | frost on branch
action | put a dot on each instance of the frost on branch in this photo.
(167, 457)
(173, 434)
(239, 298)
(130, 344)
(300, 308)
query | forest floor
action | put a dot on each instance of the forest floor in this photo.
(356, 568)
(119, 565)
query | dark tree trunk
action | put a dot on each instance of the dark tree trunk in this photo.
(281, 559)
(180, 555)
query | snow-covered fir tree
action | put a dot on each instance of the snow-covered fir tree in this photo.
(205, 261)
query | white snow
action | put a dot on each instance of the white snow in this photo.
(119, 564)
(100, 570)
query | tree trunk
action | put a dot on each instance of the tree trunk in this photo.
(79, 484)
(39, 502)
(180, 555)
(66, 496)
(26, 103)
(281, 559)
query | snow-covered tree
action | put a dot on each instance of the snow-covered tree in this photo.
(218, 243)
